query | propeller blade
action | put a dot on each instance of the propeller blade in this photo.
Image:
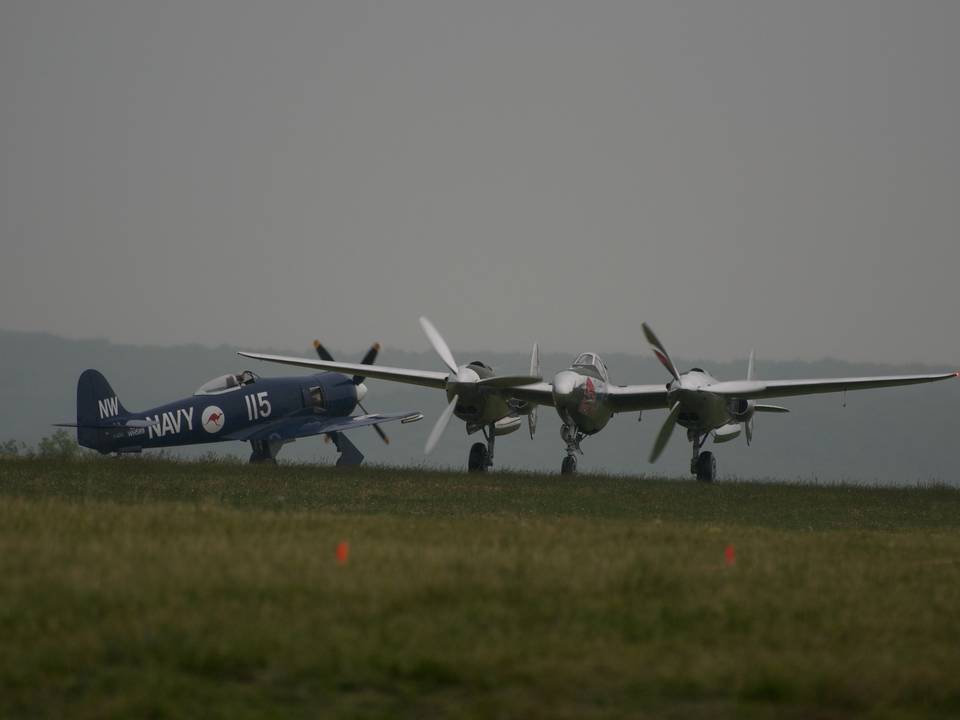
(439, 344)
(380, 432)
(322, 351)
(666, 430)
(440, 426)
(371, 355)
(660, 351)
(367, 360)
(750, 367)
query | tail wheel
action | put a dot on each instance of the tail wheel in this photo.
(706, 467)
(569, 466)
(477, 462)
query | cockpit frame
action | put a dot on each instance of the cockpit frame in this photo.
(589, 363)
(231, 382)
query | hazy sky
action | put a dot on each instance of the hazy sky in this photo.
(784, 175)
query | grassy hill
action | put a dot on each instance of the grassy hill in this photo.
(156, 589)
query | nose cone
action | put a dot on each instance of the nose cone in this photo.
(361, 392)
(564, 387)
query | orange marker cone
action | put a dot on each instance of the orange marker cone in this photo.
(343, 552)
(729, 556)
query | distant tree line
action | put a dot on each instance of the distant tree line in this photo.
(61, 445)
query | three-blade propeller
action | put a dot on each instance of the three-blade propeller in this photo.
(368, 359)
(666, 430)
(462, 380)
(677, 389)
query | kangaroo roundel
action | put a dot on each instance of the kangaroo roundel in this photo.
(212, 419)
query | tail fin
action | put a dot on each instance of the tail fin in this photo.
(97, 404)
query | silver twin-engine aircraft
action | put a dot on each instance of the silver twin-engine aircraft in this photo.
(585, 399)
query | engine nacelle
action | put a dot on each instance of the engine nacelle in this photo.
(727, 433)
(507, 425)
(740, 410)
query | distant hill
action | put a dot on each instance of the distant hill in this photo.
(896, 436)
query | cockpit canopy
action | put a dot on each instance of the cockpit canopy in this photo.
(590, 364)
(227, 383)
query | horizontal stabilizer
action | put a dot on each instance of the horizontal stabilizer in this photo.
(108, 426)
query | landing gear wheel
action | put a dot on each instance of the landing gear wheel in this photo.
(569, 466)
(706, 467)
(477, 462)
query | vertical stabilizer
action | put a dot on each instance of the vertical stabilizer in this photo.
(97, 404)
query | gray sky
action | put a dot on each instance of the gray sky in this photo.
(784, 175)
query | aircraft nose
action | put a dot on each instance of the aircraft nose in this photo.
(564, 385)
(361, 392)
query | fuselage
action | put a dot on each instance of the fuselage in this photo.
(223, 407)
(580, 394)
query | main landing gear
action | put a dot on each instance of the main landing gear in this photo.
(481, 456)
(264, 452)
(702, 464)
(572, 437)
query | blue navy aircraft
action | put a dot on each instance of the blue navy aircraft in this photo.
(266, 412)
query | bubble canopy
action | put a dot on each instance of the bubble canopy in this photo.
(591, 364)
(226, 383)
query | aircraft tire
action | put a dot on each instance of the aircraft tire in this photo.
(706, 467)
(477, 462)
(569, 465)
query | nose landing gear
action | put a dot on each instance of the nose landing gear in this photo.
(702, 464)
(572, 437)
(481, 456)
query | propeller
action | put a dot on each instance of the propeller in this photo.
(660, 352)
(535, 371)
(666, 430)
(443, 350)
(440, 426)
(462, 380)
(368, 359)
(439, 344)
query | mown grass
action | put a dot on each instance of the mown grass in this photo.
(158, 589)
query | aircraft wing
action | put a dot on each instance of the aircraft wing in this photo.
(540, 393)
(627, 398)
(426, 378)
(759, 389)
(298, 426)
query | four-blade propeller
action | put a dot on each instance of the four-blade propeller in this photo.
(368, 359)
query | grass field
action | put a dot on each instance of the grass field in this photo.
(133, 588)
